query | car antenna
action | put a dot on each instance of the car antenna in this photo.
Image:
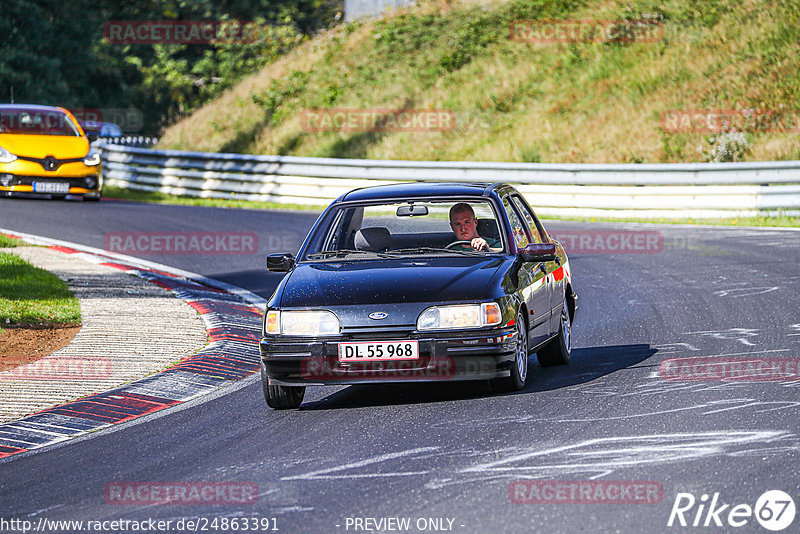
(12, 94)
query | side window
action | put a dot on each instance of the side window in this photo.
(517, 227)
(529, 219)
(343, 229)
(336, 235)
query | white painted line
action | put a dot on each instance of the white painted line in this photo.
(732, 354)
(324, 473)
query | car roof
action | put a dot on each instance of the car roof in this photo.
(31, 106)
(418, 189)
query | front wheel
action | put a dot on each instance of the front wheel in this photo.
(519, 371)
(558, 351)
(281, 397)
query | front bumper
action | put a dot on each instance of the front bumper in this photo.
(442, 357)
(78, 185)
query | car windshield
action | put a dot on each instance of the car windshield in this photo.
(109, 129)
(31, 121)
(402, 228)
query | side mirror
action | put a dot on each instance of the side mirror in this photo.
(280, 263)
(92, 136)
(536, 252)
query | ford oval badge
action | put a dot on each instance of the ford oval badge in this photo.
(378, 315)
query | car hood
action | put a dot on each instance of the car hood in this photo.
(40, 146)
(391, 281)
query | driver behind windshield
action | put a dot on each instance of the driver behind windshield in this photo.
(465, 227)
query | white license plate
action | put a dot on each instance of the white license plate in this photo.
(51, 187)
(374, 351)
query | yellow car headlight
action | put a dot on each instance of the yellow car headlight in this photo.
(92, 159)
(6, 156)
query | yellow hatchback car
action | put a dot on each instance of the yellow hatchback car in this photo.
(44, 151)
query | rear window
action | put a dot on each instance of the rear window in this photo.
(30, 121)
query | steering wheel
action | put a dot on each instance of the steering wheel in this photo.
(461, 242)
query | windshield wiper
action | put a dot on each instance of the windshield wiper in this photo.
(343, 252)
(422, 250)
(329, 253)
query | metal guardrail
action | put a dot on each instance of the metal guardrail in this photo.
(137, 141)
(356, 9)
(699, 190)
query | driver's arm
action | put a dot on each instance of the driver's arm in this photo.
(479, 243)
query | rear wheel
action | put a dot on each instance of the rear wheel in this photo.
(92, 198)
(519, 371)
(558, 351)
(281, 397)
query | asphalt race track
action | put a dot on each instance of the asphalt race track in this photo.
(428, 452)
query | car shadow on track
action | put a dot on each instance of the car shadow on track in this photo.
(586, 364)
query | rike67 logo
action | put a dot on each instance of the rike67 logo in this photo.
(774, 510)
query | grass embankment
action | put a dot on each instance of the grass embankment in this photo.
(520, 101)
(33, 296)
(8, 242)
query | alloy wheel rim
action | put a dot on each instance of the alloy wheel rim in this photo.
(522, 356)
(566, 327)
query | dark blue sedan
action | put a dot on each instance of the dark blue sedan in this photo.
(418, 282)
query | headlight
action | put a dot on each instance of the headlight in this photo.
(92, 159)
(6, 156)
(272, 324)
(301, 323)
(459, 316)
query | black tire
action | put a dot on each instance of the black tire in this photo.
(281, 397)
(88, 198)
(519, 371)
(557, 351)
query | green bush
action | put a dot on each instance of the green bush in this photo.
(279, 92)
